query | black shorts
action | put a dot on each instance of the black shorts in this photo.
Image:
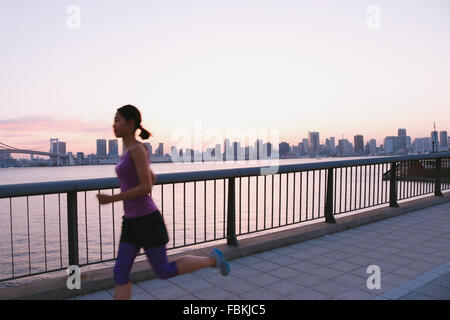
(148, 231)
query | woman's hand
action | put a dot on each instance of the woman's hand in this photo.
(104, 198)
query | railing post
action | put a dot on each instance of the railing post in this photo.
(329, 218)
(393, 186)
(72, 227)
(437, 184)
(231, 218)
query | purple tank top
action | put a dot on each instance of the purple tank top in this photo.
(128, 179)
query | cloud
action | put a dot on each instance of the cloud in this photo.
(25, 125)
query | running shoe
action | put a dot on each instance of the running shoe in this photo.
(221, 262)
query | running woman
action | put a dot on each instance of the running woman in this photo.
(142, 223)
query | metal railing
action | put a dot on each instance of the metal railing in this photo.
(240, 202)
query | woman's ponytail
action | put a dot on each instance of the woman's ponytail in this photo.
(144, 133)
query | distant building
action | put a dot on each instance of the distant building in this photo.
(305, 146)
(434, 141)
(160, 150)
(373, 145)
(332, 145)
(443, 141)
(344, 147)
(113, 148)
(62, 147)
(359, 144)
(402, 140)
(393, 144)
(284, 148)
(313, 143)
(149, 148)
(101, 147)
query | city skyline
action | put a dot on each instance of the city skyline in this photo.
(287, 66)
(358, 143)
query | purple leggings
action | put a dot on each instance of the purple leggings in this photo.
(156, 257)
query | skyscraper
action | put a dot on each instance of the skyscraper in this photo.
(149, 148)
(443, 140)
(359, 143)
(434, 141)
(160, 150)
(373, 145)
(113, 148)
(101, 147)
(313, 143)
(284, 148)
(402, 138)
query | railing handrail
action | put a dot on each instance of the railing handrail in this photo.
(52, 187)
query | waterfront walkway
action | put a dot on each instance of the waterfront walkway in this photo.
(412, 251)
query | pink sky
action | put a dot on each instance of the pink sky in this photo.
(290, 66)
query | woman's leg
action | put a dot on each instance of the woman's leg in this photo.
(164, 269)
(124, 262)
(187, 264)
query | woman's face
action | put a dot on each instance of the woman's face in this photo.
(121, 126)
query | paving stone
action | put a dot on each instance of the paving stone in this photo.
(284, 250)
(443, 281)
(263, 279)
(248, 261)
(355, 294)
(360, 260)
(322, 260)
(386, 266)
(435, 291)
(238, 286)
(265, 266)
(143, 296)
(195, 285)
(168, 293)
(421, 265)
(331, 288)
(307, 294)
(393, 279)
(260, 294)
(351, 280)
(187, 297)
(318, 250)
(153, 284)
(268, 255)
(213, 293)
(304, 266)
(338, 255)
(344, 266)
(99, 295)
(284, 273)
(284, 287)
(427, 276)
(309, 280)
(301, 255)
(326, 272)
(412, 284)
(184, 278)
(416, 296)
(219, 280)
(396, 293)
(246, 272)
(408, 272)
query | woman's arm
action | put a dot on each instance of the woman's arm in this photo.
(139, 156)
